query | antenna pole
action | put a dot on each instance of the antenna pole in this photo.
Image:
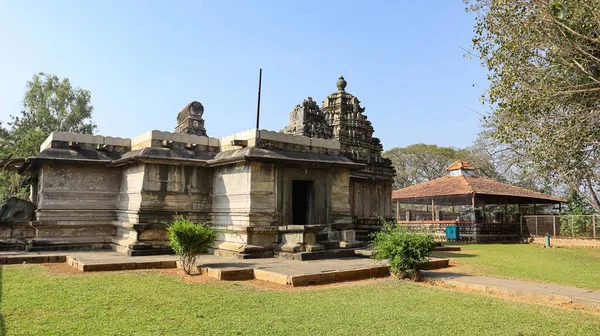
(258, 104)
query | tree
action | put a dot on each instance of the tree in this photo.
(50, 104)
(421, 162)
(543, 59)
(506, 165)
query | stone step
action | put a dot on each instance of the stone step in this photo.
(101, 266)
(69, 247)
(317, 255)
(150, 252)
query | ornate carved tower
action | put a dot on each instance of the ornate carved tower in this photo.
(371, 187)
(189, 120)
(308, 120)
(355, 133)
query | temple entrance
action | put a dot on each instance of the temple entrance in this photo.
(302, 195)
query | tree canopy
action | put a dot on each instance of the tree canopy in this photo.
(421, 162)
(50, 104)
(543, 59)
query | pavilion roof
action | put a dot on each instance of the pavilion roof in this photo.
(461, 185)
(460, 164)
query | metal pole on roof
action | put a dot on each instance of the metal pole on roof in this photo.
(258, 104)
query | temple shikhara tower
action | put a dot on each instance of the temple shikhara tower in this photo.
(343, 115)
(314, 190)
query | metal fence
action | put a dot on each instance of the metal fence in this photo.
(575, 226)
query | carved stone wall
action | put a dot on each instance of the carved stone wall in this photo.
(189, 120)
(307, 120)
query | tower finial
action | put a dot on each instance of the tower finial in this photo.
(341, 84)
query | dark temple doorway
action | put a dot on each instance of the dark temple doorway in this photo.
(301, 202)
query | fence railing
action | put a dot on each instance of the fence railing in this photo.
(574, 226)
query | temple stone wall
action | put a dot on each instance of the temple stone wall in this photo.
(231, 205)
(76, 206)
(130, 192)
(321, 193)
(170, 191)
(340, 202)
(371, 198)
(88, 192)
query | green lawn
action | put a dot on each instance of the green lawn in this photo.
(37, 302)
(571, 266)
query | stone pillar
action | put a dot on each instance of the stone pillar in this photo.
(348, 239)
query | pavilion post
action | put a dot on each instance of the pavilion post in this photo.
(432, 210)
(483, 212)
(521, 222)
(505, 219)
(473, 207)
(397, 211)
(554, 225)
(594, 225)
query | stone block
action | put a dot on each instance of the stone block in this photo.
(72, 137)
(26, 260)
(312, 279)
(352, 275)
(236, 274)
(379, 271)
(285, 138)
(115, 141)
(278, 278)
(323, 143)
(107, 267)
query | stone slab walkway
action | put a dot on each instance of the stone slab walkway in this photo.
(281, 271)
(519, 288)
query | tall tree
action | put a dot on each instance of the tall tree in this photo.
(543, 59)
(421, 162)
(50, 104)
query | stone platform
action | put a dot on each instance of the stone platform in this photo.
(280, 271)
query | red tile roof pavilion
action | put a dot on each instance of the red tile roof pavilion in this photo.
(463, 187)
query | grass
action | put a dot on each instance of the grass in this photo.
(570, 266)
(38, 302)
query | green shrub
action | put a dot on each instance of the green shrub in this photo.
(405, 251)
(188, 240)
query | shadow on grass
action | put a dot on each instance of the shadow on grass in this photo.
(2, 322)
(227, 265)
(442, 254)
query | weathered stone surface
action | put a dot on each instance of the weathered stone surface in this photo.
(16, 210)
(308, 120)
(189, 120)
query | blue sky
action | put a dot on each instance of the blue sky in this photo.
(144, 60)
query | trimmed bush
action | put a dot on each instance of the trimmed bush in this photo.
(188, 240)
(405, 251)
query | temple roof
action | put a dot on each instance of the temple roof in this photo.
(460, 164)
(461, 185)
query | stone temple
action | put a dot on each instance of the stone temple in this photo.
(318, 186)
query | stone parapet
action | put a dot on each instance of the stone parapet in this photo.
(250, 138)
(58, 139)
(162, 139)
